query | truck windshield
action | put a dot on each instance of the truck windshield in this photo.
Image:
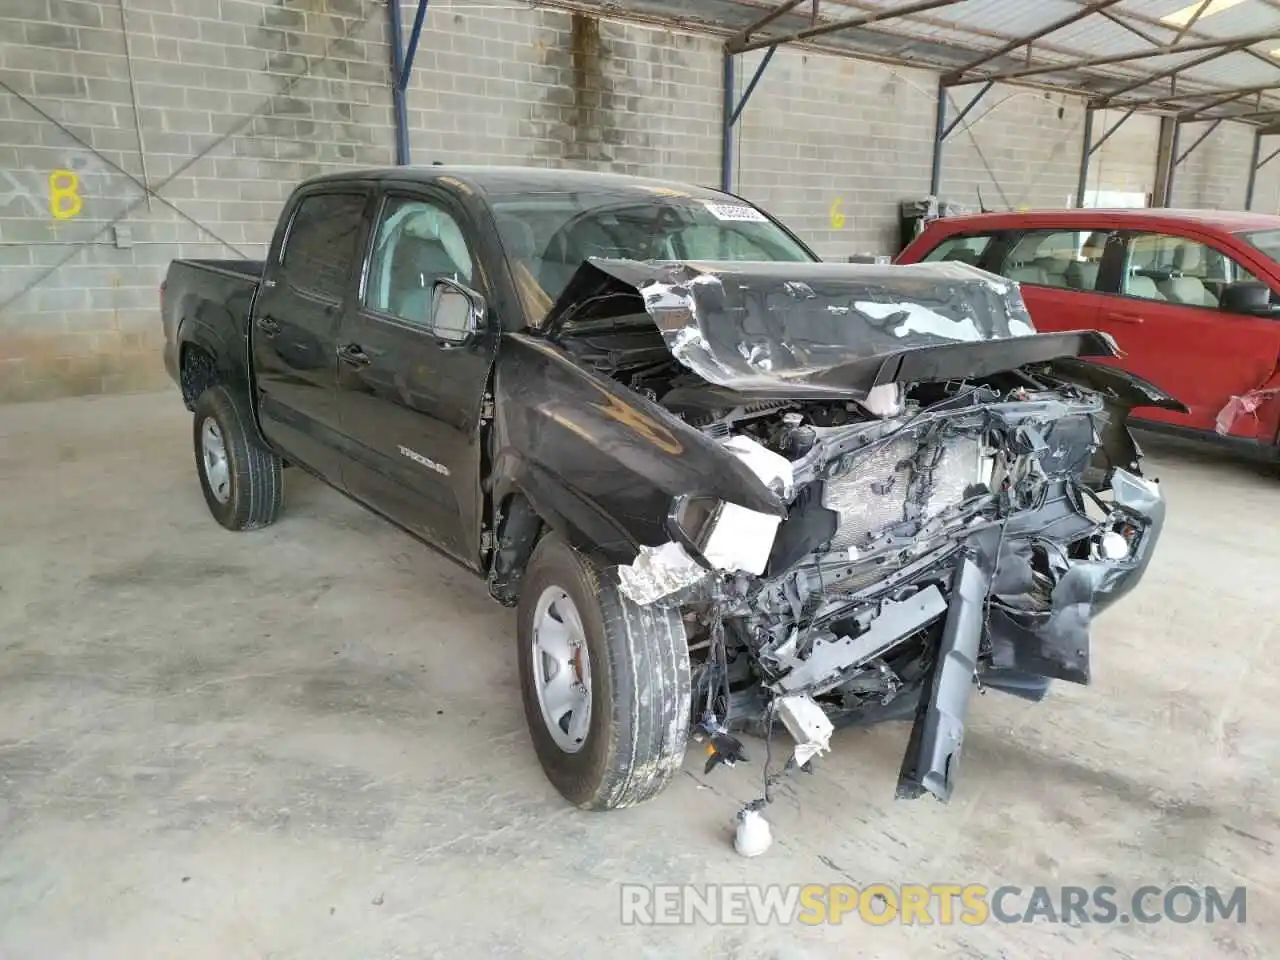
(547, 237)
(1268, 241)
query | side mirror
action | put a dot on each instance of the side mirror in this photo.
(1247, 297)
(456, 312)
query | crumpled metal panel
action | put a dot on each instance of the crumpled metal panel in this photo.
(822, 329)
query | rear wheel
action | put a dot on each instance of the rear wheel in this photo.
(605, 682)
(240, 476)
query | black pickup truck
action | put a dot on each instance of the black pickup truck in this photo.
(726, 485)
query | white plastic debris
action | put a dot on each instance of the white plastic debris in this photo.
(659, 572)
(772, 468)
(753, 836)
(884, 400)
(1113, 546)
(741, 540)
(808, 725)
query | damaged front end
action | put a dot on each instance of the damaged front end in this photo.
(961, 495)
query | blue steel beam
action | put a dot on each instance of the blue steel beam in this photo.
(407, 67)
(726, 125)
(942, 129)
(1199, 140)
(402, 71)
(731, 112)
(751, 85)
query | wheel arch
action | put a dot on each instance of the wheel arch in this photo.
(529, 502)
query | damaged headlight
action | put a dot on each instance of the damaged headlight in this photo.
(723, 536)
(885, 400)
(692, 521)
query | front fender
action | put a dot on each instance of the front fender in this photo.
(1126, 389)
(603, 460)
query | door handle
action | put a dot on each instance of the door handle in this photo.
(269, 325)
(1126, 317)
(354, 354)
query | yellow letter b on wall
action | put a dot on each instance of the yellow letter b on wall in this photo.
(64, 194)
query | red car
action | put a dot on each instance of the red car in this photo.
(1191, 296)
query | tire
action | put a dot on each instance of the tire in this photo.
(638, 664)
(249, 490)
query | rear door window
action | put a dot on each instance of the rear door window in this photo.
(1067, 259)
(964, 248)
(322, 245)
(1160, 266)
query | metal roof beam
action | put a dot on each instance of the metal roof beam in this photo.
(836, 25)
(1173, 71)
(1225, 96)
(1230, 97)
(1128, 57)
(1097, 6)
(1251, 115)
(1199, 140)
(781, 10)
(1182, 31)
(1120, 22)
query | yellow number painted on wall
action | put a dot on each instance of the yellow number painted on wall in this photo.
(837, 214)
(65, 201)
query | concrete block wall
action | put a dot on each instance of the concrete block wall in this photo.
(1216, 173)
(223, 105)
(831, 145)
(236, 100)
(1020, 148)
(1126, 161)
(506, 84)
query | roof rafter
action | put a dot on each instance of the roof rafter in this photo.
(1226, 97)
(1087, 11)
(1175, 70)
(1119, 58)
(832, 26)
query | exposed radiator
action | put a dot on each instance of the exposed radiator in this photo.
(873, 494)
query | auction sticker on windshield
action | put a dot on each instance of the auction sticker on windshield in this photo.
(735, 211)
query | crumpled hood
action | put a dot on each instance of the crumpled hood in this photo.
(834, 329)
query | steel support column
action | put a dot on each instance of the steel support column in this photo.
(1086, 151)
(402, 70)
(1255, 164)
(1173, 163)
(1253, 170)
(942, 129)
(730, 112)
(1199, 140)
(726, 125)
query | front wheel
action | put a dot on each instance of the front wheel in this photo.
(605, 682)
(239, 476)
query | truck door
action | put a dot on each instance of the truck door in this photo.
(410, 402)
(294, 326)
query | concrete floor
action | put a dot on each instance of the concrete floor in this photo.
(307, 742)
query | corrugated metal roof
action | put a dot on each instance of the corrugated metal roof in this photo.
(957, 34)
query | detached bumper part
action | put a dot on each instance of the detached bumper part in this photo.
(808, 724)
(1054, 642)
(933, 752)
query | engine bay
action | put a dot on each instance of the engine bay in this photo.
(885, 496)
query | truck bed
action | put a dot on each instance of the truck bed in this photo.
(245, 268)
(211, 301)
